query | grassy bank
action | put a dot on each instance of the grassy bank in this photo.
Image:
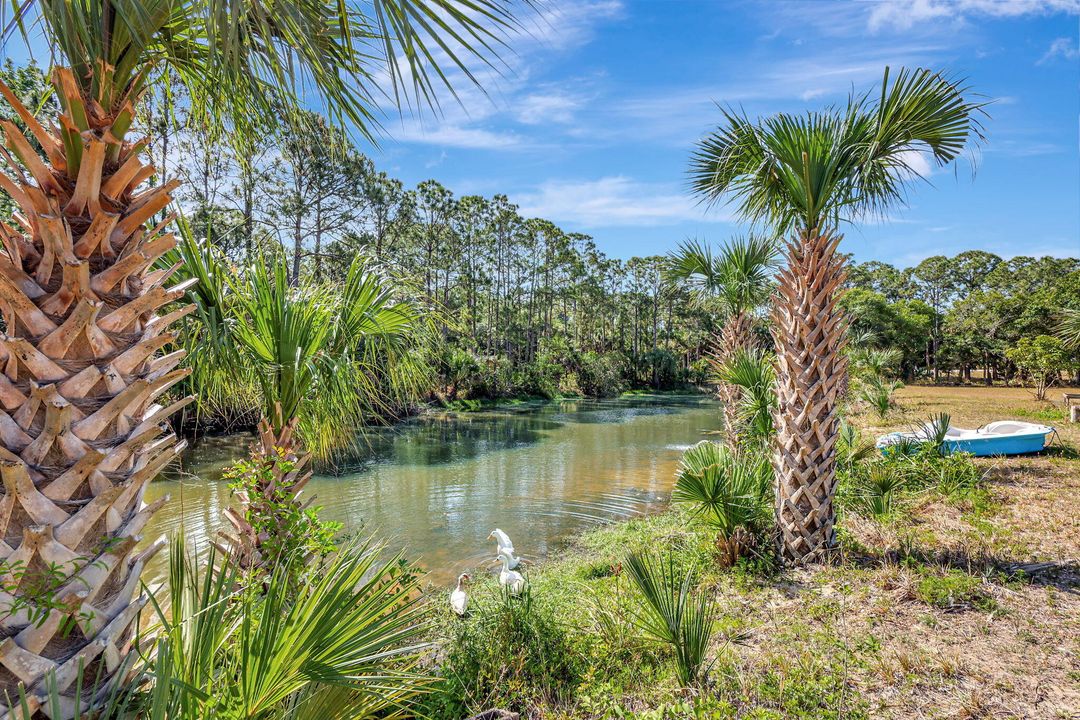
(961, 601)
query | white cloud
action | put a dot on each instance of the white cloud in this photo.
(918, 163)
(456, 136)
(1061, 48)
(504, 92)
(546, 107)
(906, 14)
(568, 23)
(613, 201)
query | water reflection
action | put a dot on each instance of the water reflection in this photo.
(438, 484)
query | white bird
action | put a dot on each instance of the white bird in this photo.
(508, 578)
(459, 601)
(506, 545)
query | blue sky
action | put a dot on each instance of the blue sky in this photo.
(593, 123)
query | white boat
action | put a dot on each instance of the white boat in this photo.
(1002, 437)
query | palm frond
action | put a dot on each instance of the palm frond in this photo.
(814, 170)
(355, 626)
(673, 613)
(251, 64)
(730, 490)
(1069, 327)
(753, 371)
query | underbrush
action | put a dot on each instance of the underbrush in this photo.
(712, 626)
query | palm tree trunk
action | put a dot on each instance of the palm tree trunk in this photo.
(808, 329)
(736, 335)
(81, 433)
(285, 474)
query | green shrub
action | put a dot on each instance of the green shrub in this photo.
(877, 392)
(600, 375)
(511, 652)
(875, 486)
(730, 490)
(752, 371)
(342, 644)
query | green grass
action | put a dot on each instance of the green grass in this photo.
(954, 590)
(573, 649)
(1048, 413)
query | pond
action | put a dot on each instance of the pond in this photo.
(436, 485)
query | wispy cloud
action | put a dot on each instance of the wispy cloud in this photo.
(679, 115)
(906, 14)
(477, 118)
(1064, 48)
(547, 106)
(564, 24)
(612, 201)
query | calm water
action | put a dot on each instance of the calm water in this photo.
(437, 485)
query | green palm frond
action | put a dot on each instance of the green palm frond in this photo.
(729, 489)
(693, 264)
(817, 169)
(739, 275)
(248, 64)
(324, 355)
(1069, 327)
(673, 613)
(222, 384)
(351, 633)
(852, 450)
(753, 371)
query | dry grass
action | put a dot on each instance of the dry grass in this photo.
(1022, 658)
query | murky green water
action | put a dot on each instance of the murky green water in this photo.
(437, 485)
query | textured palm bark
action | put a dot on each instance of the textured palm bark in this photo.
(286, 475)
(81, 430)
(737, 334)
(808, 329)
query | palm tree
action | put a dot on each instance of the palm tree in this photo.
(315, 354)
(740, 278)
(803, 175)
(81, 433)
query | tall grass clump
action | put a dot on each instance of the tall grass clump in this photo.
(731, 490)
(673, 613)
(511, 652)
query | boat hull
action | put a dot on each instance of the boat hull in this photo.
(1021, 439)
(1013, 445)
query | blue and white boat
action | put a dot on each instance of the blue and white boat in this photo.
(1003, 437)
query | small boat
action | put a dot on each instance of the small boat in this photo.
(1002, 437)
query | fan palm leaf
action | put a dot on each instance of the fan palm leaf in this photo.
(351, 633)
(1069, 327)
(673, 613)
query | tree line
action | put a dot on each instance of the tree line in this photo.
(517, 305)
(961, 318)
